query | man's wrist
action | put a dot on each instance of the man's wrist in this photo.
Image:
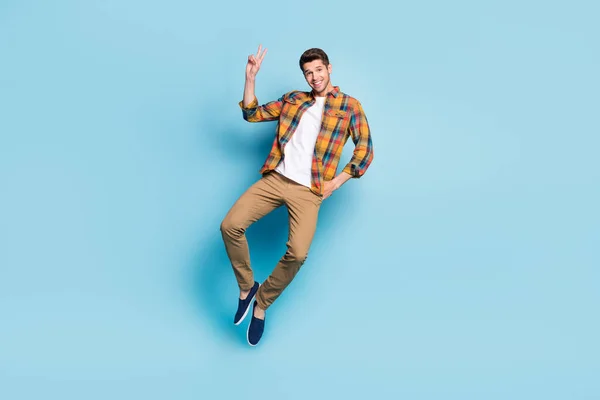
(342, 178)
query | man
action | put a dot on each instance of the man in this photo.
(300, 172)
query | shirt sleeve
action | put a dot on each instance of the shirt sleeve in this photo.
(266, 112)
(363, 144)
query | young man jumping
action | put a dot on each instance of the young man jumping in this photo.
(299, 172)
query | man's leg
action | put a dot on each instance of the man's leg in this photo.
(261, 198)
(303, 209)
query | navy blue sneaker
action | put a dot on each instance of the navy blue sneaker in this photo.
(255, 329)
(244, 305)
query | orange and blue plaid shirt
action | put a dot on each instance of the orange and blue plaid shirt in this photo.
(343, 117)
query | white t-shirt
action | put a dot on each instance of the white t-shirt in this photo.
(297, 163)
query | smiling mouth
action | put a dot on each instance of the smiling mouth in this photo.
(318, 83)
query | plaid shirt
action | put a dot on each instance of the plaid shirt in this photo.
(343, 117)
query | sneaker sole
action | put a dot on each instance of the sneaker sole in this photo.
(246, 312)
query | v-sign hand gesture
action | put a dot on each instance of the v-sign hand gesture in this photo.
(254, 61)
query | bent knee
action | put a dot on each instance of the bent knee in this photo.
(230, 227)
(297, 254)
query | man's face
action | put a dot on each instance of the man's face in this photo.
(317, 75)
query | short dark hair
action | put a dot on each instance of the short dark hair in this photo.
(312, 55)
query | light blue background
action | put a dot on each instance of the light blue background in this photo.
(463, 265)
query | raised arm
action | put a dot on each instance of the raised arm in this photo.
(252, 68)
(252, 112)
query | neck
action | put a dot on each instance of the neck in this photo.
(324, 92)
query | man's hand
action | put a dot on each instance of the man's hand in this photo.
(330, 186)
(254, 61)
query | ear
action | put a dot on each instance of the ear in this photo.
(329, 68)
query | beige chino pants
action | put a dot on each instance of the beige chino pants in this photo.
(270, 192)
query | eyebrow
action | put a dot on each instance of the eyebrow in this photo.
(317, 68)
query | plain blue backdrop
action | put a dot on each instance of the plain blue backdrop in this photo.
(463, 265)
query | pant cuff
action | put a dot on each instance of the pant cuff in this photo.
(245, 288)
(260, 301)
